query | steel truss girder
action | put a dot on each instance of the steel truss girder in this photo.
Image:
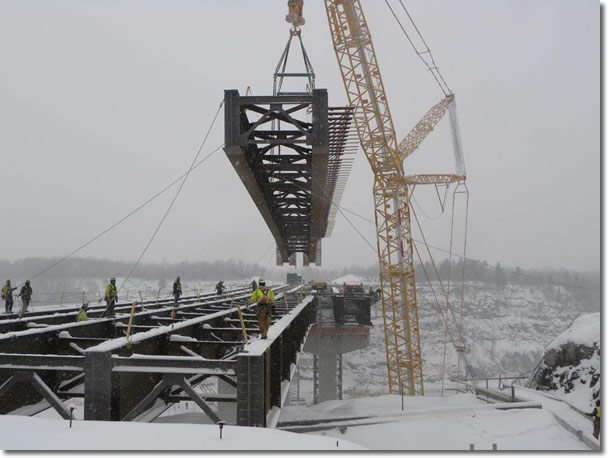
(277, 153)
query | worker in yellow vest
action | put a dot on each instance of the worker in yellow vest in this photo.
(111, 296)
(596, 420)
(264, 299)
(82, 313)
(7, 295)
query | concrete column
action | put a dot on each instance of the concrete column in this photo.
(327, 348)
(327, 374)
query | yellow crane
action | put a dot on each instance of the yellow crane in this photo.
(365, 91)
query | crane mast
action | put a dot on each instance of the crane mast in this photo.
(365, 90)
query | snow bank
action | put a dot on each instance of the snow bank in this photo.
(426, 423)
(25, 433)
(585, 330)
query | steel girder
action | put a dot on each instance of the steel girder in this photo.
(280, 147)
(121, 377)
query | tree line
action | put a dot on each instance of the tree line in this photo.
(74, 268)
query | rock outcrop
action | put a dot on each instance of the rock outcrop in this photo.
(571, 365)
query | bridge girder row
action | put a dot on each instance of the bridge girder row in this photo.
(123, 376)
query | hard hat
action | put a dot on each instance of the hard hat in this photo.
(262, 281)
(27, 282)
(112, 279)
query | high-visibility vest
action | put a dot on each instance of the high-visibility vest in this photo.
(82, 316)
(259, 294)
(111, 292)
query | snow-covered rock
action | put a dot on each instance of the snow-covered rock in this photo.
(571, 365)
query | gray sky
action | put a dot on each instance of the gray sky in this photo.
(102, 104)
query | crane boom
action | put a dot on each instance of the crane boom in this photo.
(365, 90)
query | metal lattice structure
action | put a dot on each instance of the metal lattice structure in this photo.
(292, 166)
(365, 90)
(135, 366)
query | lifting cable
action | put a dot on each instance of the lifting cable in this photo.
(432, 66)
(187, 174)
(264, 254)
(124, 218)
(441, 203)
(444, 319)
(448, 307)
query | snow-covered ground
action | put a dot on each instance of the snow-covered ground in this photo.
(426, 423)
(349, 279)
(25, 433)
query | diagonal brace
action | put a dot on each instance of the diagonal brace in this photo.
(7, 385)
(47, 393)
(174, 379)
(145, 402)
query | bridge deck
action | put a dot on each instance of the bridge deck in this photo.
(122, 371)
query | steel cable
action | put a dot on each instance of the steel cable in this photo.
(187, 174)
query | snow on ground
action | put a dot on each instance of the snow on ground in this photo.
(448, 423)
(25, 433)
(426, 423)
(349, 280)
(525, 429)
(562, 408)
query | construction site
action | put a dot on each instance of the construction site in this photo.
(293, 151)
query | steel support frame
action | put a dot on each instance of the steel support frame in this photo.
(110, 371)
(262, 370)
(284, 169)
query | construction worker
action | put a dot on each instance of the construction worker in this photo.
(82, 313)
(253, 285)
(177, 290)
(7, 295)
(26, 296)
(264, 299)
(220, 288)
(111, 296)
(596, 420)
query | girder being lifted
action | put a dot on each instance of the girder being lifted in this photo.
(288, 151)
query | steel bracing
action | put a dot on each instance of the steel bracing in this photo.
(288, 151)
(135, 369)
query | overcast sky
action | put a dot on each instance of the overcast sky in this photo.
(104, 103)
